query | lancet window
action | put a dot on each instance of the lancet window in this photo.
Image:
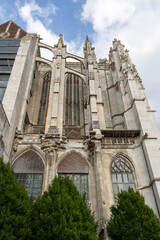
(122, 175)
(29, 170)
(44, 99)
(74, 103)
(31, 182)
(75, 167)
(80, 181)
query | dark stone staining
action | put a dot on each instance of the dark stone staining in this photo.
(73, 163)
(29, 162)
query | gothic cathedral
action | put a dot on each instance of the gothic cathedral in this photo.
(78, 117)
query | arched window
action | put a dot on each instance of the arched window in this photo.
(122, 175)
(75, 167)
(74, 104)
(29, 169)
(44, 99)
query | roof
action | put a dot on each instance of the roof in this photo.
(11, 30)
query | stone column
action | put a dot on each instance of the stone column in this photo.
(99, 184)
(55, 125)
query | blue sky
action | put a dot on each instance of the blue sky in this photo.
(135, 22)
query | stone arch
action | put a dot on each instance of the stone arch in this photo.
(69, 71)
(123, 173)
(74, 166)
(26, 149)
(29, 171)
(28, 162)
(125, 157)
(45, 46)
(43, 60)
(73, 162)
(80, 59)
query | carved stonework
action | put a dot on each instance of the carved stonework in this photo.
(95, 124)
(29, 162)
(73, 163)
(57, 80)
(110, 141)
(74, 135)
(53, 129)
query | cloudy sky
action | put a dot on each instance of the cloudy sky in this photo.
(135, 22)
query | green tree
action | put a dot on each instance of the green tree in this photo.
(15, 207)
(132, 219)
(62, 214)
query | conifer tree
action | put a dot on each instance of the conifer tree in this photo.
(132, 219)
(62, 214)
(15, 206)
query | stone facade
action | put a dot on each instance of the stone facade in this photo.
(79, 118)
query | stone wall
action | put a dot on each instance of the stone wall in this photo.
(4, 128)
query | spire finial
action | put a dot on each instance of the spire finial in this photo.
(60, 40)
(88, 43)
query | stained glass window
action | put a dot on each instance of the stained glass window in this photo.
(31, 182)
(74, 101)
(80, 181)
(122, 175)
(44, 99)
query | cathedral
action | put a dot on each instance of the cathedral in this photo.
(77, 116)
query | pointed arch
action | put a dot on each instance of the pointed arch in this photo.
(44, 99)
(73, 104)
(75, 166)
(73, 162)
(26, 149)
(29, 170)
(122, 171)
(78, 58)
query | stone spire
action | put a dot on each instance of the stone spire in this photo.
(60, 40)
(89, 51)
(88, 44)
(60, 43)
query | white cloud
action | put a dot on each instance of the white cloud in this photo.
(104, 13)
(31, 13)
(3, 12)
(136, 23)
(37, 20)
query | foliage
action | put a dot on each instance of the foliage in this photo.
(132, 219)
(15, 207)
(62, 214)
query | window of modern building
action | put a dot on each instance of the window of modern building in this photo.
(80, 181)
(44, 99)
(74, 103)
(29, 169)
(122, 175)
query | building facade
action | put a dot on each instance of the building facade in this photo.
(78, 117)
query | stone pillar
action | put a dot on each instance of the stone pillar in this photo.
(55, 117)
(15, 98)
(99, 184)
(49, 147)
(91, 63)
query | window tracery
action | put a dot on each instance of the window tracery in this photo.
(74, 103)
(80, 181)
(29, 170)
(75, 167)
(44, 99)
(31, 182)
(122, 175)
